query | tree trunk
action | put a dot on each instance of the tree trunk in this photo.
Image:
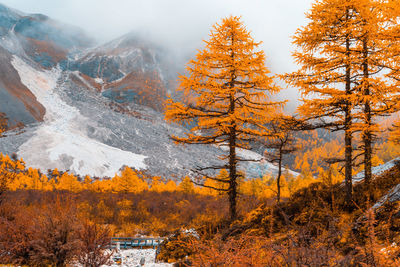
(367, 135)
(232, 192)
(232, 175)
(348, 164)
(331, 189)
(348, 133)
(278, 179)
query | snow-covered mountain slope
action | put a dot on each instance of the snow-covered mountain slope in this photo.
(127, 69)
(40, 39)
(60, 139)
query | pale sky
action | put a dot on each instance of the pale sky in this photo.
(181, 24)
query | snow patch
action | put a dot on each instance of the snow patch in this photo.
(99, 80)
(258, 166)
(132, 257)
(243, 153)
(61, 141)
(378, 170)
(393, 195)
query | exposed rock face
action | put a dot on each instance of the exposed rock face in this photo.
(16, 100)
(40, 39)
(128, 69)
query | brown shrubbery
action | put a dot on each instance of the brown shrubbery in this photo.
(94, 239)
(310, 228)
(128, 214)
(49, 234)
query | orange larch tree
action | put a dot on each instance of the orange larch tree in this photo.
(349, 70)
(282, 144)
(378, 63)
(325, 55)
(227, 96)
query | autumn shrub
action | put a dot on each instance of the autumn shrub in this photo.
(177, 246)
(94, 241)
(39, 235)
(17, 231)
(247, 250)
(50, 233)
(55, 241)
(241, 251)
(144, 213)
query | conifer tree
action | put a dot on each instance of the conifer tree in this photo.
(350, 68)
(129, 181)
(326, 72)
(186, 186)
(227, 95)
(379, 68)
(282, 144)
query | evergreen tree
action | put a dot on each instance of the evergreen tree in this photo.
(379, 68)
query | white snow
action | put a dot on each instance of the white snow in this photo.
(260, 165)
(61, 141)
(378, 170)
(99, 80)
(393, 195)
(243, 153)
(131, 257)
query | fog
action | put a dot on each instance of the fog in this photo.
(181, 24)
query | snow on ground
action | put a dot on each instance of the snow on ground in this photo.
(243, 153)
(99, 80)
(259, 169)
(61, 141)
(392, 196)
(260, 166)
(394, 193)
(132, 257)
(378, 170)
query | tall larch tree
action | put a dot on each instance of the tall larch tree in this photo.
(227, 96)
(378, 67)
(393, 13)
(325, 56)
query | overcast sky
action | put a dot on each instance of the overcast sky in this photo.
(181, 24)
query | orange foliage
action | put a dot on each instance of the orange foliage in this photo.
(227, 95)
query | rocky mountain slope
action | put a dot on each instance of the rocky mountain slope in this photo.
(37, 38)
(92, 109)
